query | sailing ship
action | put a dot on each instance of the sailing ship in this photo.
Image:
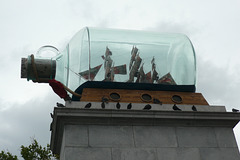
(110, 69)
(136, 70)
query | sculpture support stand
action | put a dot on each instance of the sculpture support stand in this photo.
(110, 134)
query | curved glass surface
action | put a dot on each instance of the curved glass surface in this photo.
(130, 56)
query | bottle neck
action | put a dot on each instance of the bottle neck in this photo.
(38, 70)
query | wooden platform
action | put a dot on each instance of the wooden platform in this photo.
(142, 96)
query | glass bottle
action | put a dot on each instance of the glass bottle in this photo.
(113, 55)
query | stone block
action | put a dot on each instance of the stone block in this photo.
(154, 136)
(219, 153)
(134, 154)
(196, 137)
(76, 135)
(167, 153)
(110, 136)
(62, 153)
(178, 153)
(225, 137)
(77, 153)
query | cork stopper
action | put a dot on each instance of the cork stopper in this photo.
(45, 69)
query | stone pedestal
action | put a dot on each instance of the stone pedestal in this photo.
(158, 134)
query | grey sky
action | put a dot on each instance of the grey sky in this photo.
(26, 25)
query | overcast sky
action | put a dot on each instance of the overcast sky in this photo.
(26, 25)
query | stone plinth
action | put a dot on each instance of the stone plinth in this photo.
(111, 134)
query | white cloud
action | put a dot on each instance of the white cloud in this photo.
(20, 122)
(213, 27)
